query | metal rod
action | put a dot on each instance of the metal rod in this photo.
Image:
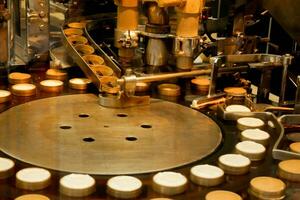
(219, 9)
(161, 77)
(295, 46)
(269, 34)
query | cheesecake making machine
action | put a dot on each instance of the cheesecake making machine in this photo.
(144, 112)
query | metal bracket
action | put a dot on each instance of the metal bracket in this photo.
(123, 101)
(186, 46)
(125, 97)
(129, 85)
(126, 39)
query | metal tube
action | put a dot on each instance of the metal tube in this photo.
(161, 77)
(295, 46)
(287, 59)
(283, 84)
(269, 34)
(219, 9)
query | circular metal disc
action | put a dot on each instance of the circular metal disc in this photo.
(75, 134)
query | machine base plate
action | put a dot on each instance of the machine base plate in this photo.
(75, 134)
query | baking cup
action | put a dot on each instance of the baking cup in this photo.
(234, 164)
(79, 83)
(51, 85)
(207, 175)
(78, 25)
(6, 168)
(23, 89)
(17, 78)
(77, 185)
(84, 49)
(109, 84)
(5, 96)
(167, 89)
(56, 74)
(267, 188)
(33, 178)
(93, 60)
(73, 31)
(169, 183)
(289, 170)
(244, 123)
(124, 187)
(77, 39)
(252, 150)
(222, 195)
(102, 70)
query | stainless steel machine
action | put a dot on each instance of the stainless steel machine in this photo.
(28, 31)
(162, 44)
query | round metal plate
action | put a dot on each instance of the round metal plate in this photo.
(75, 134)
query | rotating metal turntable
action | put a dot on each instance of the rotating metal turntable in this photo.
(75, 134)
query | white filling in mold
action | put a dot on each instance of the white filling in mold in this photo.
(234, 160)
(237, 108)
(124, 183)
(77, 181)
(170, 179)
(33, 175)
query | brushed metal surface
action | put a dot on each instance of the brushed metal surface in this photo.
(75, 134)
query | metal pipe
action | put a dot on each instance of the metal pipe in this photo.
(287, 59)
(161, 77)
(269, 34)
(173, 75)
(283, 84)
(295, 46)
(188, 19)
(219, 9)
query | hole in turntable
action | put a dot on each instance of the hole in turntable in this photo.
(88, 139)
(131, 138)
(122, 115)
(83, 115)
(65, 127)
(106, 126)
(146, 126)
